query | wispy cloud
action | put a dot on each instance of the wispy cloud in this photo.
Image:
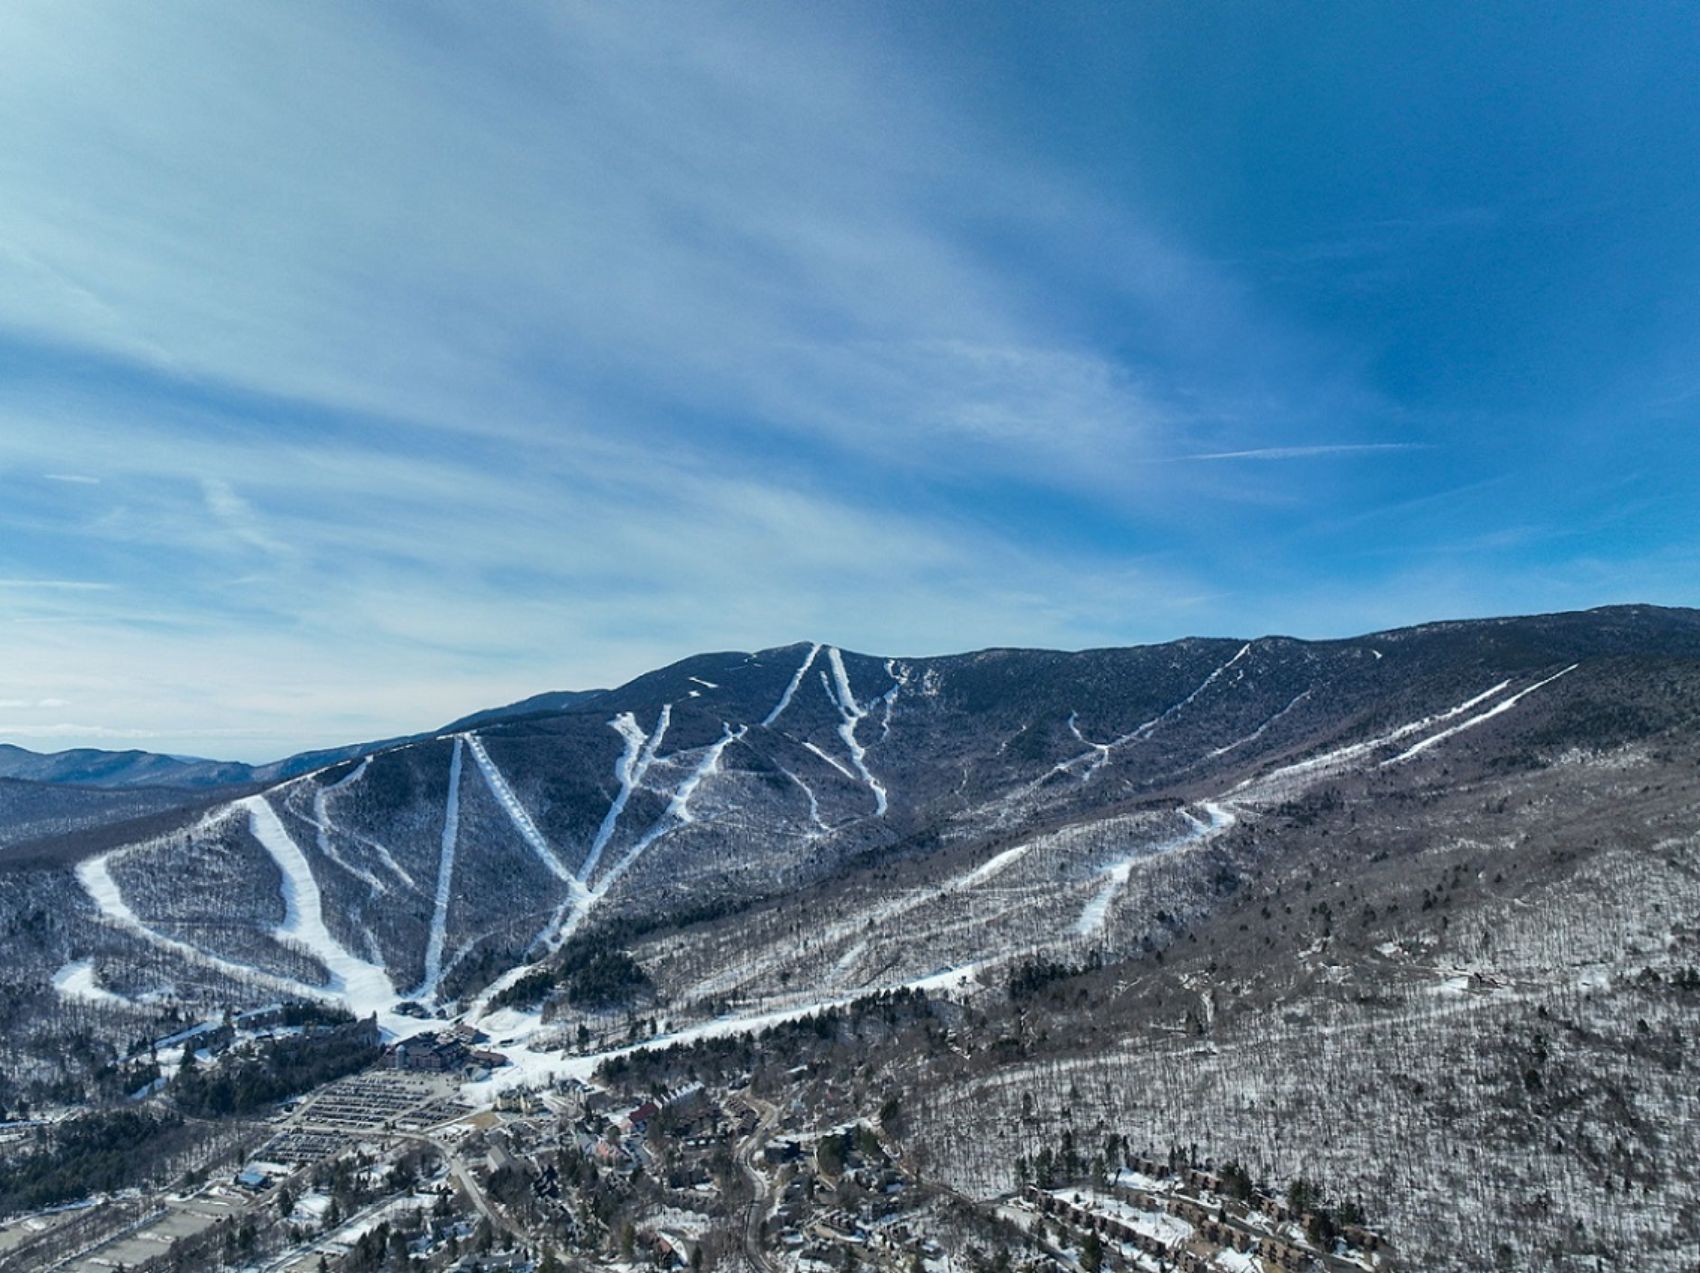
(362, 405)
(1311, 452)
(55, 585)
(238, 518)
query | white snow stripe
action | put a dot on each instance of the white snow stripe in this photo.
(445, 877)
(75, 981)
(831, 760)
(1144, 730)
(95, 875)
(791, 689)
(516, 812)
(814, 804)
(677, 812)
(1259, 731)
(629, 769)
(1099, 756)
(852, 715)
(365, 987)
(1488, 715)
(1096, 912)
(322, 828)
(1354, 751)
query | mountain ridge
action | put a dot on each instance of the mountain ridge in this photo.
(1176, 873)
(140, 768)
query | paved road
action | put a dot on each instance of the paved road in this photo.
(746, 1160)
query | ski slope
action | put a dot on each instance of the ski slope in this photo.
(791, 689)
(95, 875)
(445, 877)
(364, 987)
(1096, 912)
(1488, 715)
(853, 715)
(516, 812)
(629, 771)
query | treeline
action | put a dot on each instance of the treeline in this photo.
(591, 975)
(93, 1153)
(1032, 975)
(281, 1068)
(579, 953)
(784, 1043)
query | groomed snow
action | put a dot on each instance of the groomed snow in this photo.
(75, 981)
(95, 875)
(678, 810)
(1100, 754)
(831, 760)
(629, 769)
(1273, 782)
(1260, 731)
(814, 804)
(1488, 715)
(364, 987)
(516, 811)
(853, 714)
(791, 689)
(535, 1068)
(322, 826)
(445, 876)
(1097, 911)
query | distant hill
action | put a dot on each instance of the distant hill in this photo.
(92, 767)
(551, 702)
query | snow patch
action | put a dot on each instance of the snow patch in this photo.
(75, 981)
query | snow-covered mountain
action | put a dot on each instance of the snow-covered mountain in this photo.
(732, 776)
(1240, 852)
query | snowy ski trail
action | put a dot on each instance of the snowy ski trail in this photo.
(1259, 731)
(899, 673)
(831, 760)
(1097, 910)
(1270, 783)
(1099, 756)
(384, 855)
(96, 878)
(563, 925)
(678, 810)
(322, 829)
(516, 812)
(853, 715)
(365, 987)
(1488, 715)
(814, 804)
(445, 875)
(75, 981)
(1100, 753)
(791, 689)
(629, 770)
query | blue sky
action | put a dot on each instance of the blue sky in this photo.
(361, 365)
